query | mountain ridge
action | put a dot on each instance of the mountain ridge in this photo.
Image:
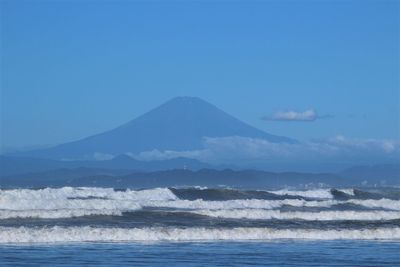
(180, 124)
(21, 165)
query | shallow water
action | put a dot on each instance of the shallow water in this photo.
(278, 253)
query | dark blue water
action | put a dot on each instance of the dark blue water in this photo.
(279, 253)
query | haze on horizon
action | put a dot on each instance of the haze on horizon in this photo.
(322, 73)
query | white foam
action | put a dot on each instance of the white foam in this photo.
(347, 191)
(237, 204)
(316, 193)
(79, 198)
(309, 216)
(383, 203)
(91, 234)
(8, 197)
(61, 208)
(73, 202)
(105, 199)
(272, 204)
(56, 214)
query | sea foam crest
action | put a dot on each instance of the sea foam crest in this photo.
(298, 215)
(271, 204)
(57, 214)
(74, 202)
(316, 193)
(92, 234)
(79, 198)
(383, 203)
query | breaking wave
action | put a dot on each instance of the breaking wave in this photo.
(309, 216)
(75, 202)
(317, 193)
(56, 214)
(92, 234)
(104, 214)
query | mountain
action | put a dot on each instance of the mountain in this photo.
(179, 124)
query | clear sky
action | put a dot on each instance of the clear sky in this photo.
(70, 69)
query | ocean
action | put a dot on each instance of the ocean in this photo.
(199, 227)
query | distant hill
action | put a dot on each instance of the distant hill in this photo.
(374, 174)
(124, 171)
(179, 124)
(170, 178)
(21, 165)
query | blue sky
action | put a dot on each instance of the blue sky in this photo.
(75, 68)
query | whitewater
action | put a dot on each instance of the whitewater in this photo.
(90, 214)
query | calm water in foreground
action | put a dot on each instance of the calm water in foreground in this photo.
(279, 253)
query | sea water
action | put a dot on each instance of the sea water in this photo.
(199, 227)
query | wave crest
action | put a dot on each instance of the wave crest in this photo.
(92, 234)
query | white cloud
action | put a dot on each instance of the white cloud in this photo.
(156, 154)
(236, 149)
(290, 115)
(353, 144)
(102, 156)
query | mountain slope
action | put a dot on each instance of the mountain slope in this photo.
(179, 124)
